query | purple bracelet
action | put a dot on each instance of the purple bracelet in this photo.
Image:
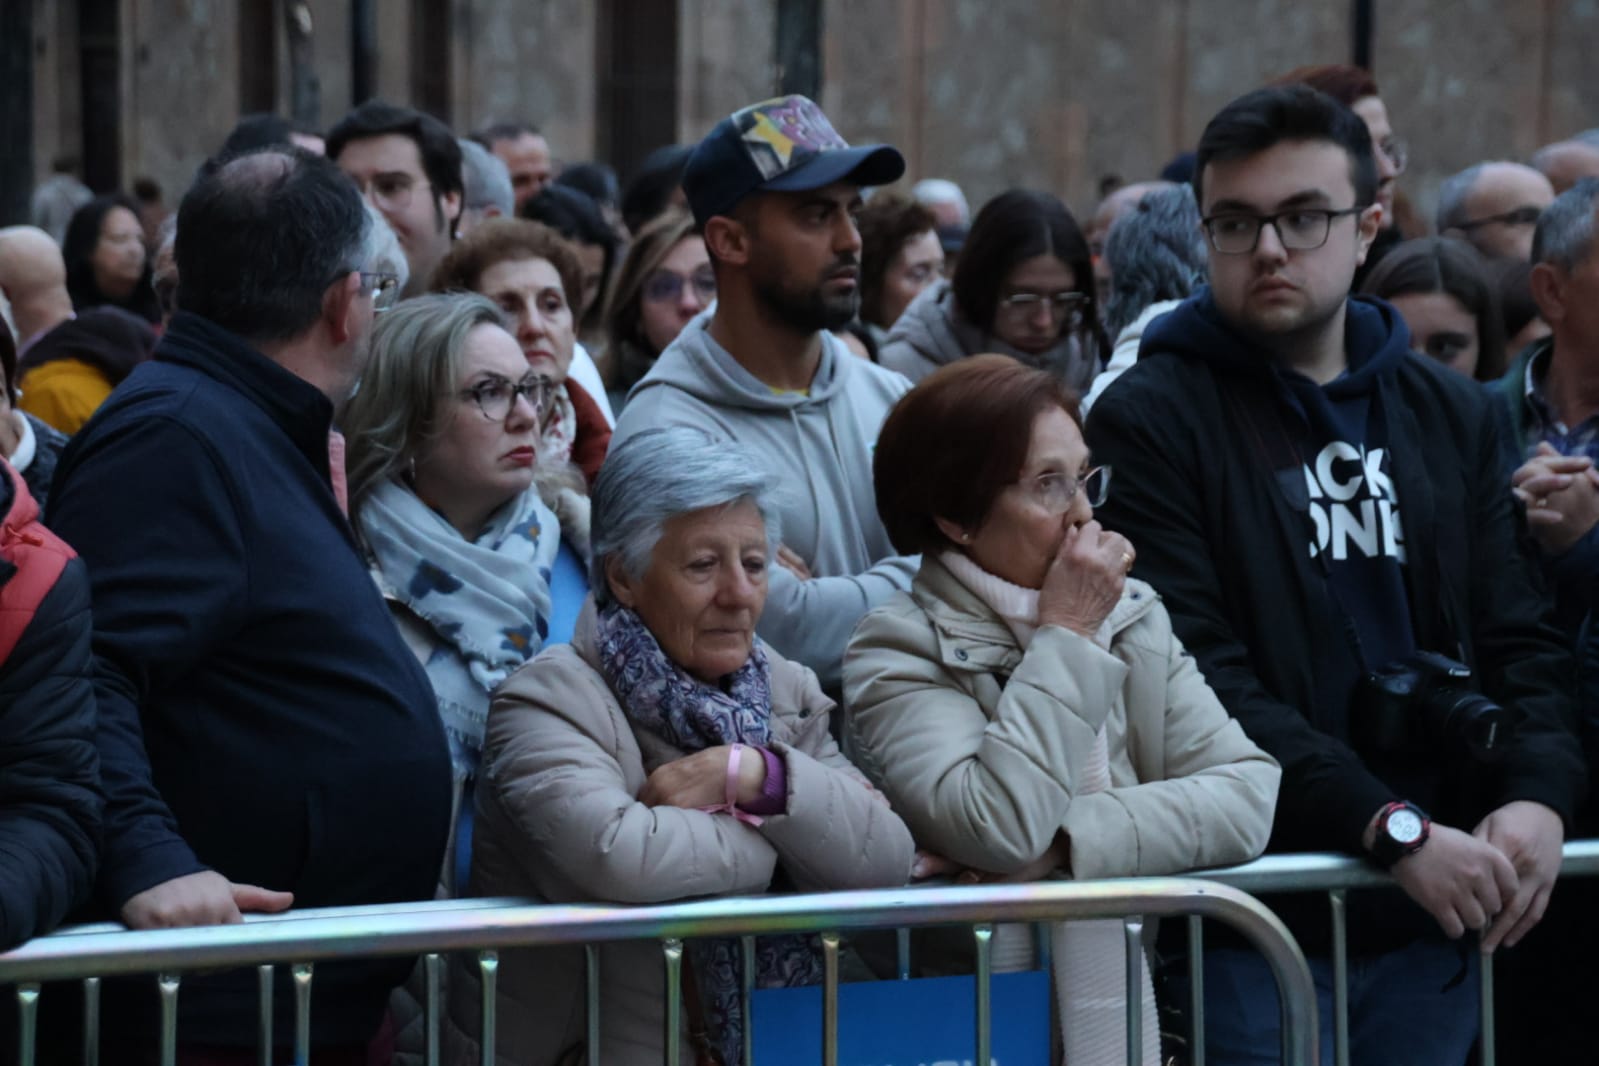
(774, 792)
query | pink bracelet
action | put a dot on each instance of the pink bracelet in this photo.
(729, 804)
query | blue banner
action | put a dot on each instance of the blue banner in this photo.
(925, 1022)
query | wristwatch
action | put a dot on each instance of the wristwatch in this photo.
(1402, 829)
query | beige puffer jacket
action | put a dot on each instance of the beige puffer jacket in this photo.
(557, 819)
(977, 745)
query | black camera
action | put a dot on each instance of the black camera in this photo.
(1424, 702)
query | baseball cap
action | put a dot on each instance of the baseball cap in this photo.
(780, 145)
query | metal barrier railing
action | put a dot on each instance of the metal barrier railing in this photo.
(91, 953)
(1336, 875)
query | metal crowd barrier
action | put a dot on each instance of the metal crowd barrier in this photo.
(1336, 875)
(486, 926)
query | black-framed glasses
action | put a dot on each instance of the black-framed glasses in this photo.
(1521, 216)
(495, 396)
(1301, 229)
(1062, 305)
(1056, 491)
(663, 286)
(1397, 151)
(384, 287)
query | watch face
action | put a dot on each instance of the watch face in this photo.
(1404, 826)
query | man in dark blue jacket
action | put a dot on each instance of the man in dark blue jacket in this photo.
(266, 737)
(49, 781)
(1317, 507)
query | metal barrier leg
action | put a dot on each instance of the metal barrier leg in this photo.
(746, 947)
(91, 1021)
(902, 946)
(432, 965)
(488, 968)
(830, 999)
(263, 1037)
(1133, 929)
(591, 973)
(302, 972)
(1485, 990)
(1196, 990)
(167, 983)
(673, 950)
(984, 935)
(28, 1022)
(1337, 898)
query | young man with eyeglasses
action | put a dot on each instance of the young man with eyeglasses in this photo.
(408, 166)
(775, 190)
(1494, 206)
(1319, 510)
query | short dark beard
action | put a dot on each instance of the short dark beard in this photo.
(807, 310)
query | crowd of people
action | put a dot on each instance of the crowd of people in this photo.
(409, 515)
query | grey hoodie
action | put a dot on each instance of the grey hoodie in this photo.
(819, 447)
(932, 333)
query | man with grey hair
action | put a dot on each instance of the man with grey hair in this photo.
(1551, 393)
(1116, 203)
(242, 650)
(487, 183)
(1494, 206)
(1155, 255)
(945, 200)
(1565, 163)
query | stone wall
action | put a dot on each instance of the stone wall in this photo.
(991, 93)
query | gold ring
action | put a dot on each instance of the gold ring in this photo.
(1127, 560)
(1541, 501)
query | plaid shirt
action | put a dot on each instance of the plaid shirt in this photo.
(1545, 425)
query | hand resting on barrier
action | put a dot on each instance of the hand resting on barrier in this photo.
(204, 898)
(1460, 880)
(1530, 836)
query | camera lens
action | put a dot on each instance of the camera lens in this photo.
(1474, 720)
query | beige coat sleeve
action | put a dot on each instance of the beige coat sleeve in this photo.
(558, 758)
(838, 832)
(1214, 804)
(989, 793)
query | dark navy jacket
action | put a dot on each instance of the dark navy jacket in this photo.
(49, 785)
(259, 713)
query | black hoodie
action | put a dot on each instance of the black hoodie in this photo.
(1210, 439)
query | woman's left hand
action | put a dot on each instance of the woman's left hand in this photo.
(700, 780)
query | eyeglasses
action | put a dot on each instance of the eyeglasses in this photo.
(1397, 151)
(495, 396)
(1521, 216)
(384, 287)
(392, 191)
(1299, 230)
(1055, 492)
(663, 286)
(1021, 306)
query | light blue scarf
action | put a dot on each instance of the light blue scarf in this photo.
(487, 600)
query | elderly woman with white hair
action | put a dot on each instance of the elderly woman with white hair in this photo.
(1157, 258)
(667, 754)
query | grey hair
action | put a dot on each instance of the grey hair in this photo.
(659, 474)
(941, 191)
(1155, 252)
(1565, 230)
(1452, 196)
(486, 179)
(402, 405)
(383, 254)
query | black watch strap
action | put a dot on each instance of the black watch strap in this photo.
(1402, 828)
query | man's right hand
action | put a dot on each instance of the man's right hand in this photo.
(1460, 880)
(1561, 495)
(205, 898)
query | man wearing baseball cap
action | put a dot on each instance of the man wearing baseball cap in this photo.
(774, 190)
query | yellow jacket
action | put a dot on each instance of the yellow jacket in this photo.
(63, 393)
